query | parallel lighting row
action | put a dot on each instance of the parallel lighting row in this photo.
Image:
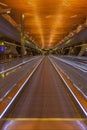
(3, 4)
(71, 34)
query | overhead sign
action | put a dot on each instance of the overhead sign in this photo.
(1, 43)
(2, 47)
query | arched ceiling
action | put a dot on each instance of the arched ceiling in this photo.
(47, 22)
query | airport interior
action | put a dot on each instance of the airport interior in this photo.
(43, 64)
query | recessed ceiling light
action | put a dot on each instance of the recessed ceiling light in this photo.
(3, 4)
(23, 16)
(8, 12)
(4, 11)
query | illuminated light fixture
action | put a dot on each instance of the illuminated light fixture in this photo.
(8, 12)
(79, 28)
(4, 11)
(2, 44)
(2, 48)
(68, 41)
(3, 75)
(66, 3)
(74, 16)
(23, 16)
(66, 38)
(71, 34)
(3, 4)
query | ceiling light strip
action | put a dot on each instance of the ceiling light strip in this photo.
(3, 4)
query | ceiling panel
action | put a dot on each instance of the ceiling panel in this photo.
(47, 21)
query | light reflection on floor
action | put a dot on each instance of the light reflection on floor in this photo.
(45, 124)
